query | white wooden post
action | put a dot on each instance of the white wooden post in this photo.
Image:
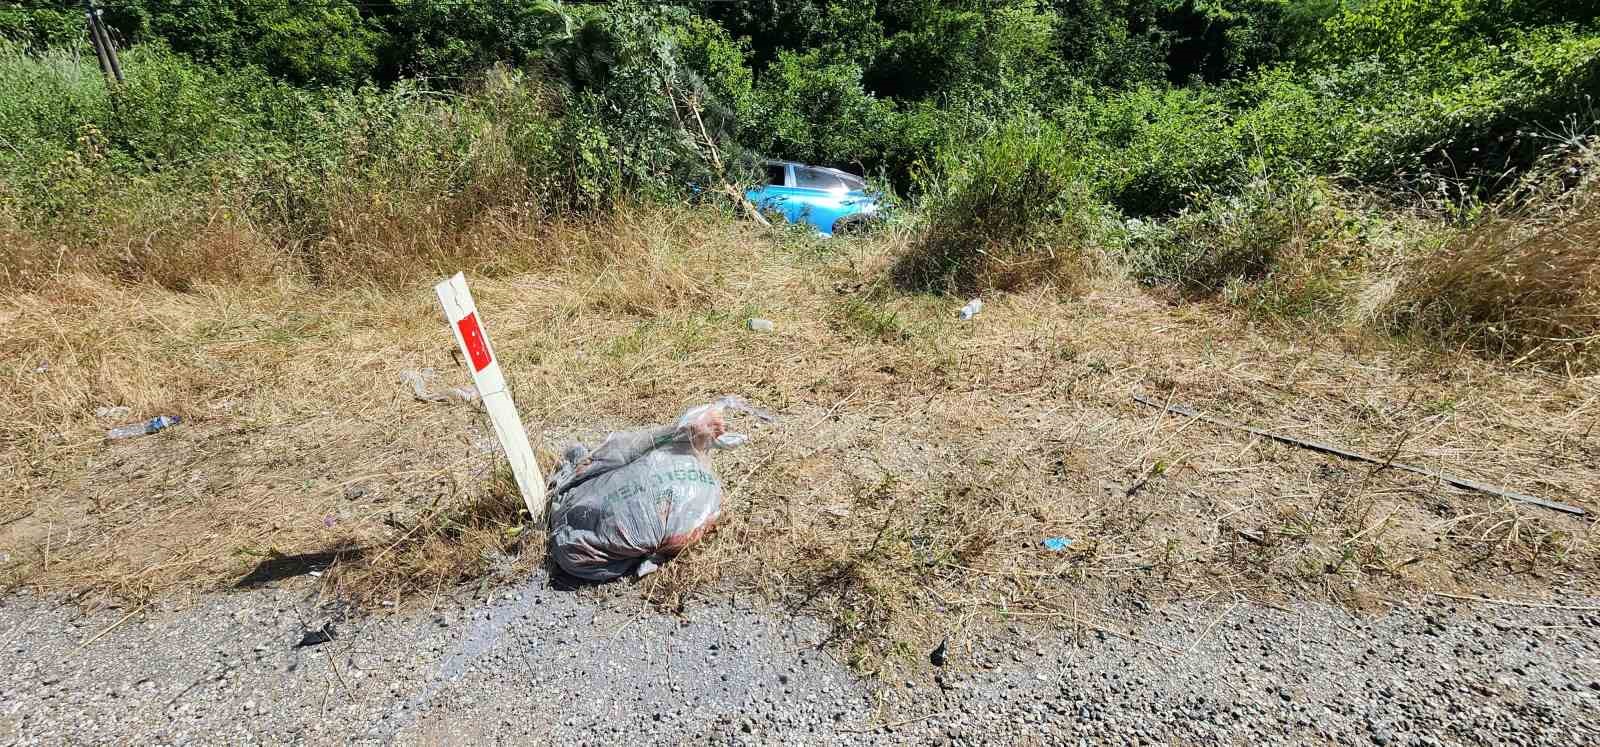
(474, 341)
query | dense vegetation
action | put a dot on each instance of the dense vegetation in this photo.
(1233, 147)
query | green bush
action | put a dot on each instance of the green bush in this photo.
(1458, 123)
(813, 110)
(39, 29)
(328, 43)
(1010, 211)
(1019, 125)
(1152, 148)
(1275, 245)
(457, 40)
(182, 144)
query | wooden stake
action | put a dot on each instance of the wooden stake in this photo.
(100, 51)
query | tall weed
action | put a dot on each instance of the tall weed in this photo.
(1278, 246)
(1011, 211)
(1523, 281)
(186, 174)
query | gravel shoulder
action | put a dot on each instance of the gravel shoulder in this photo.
(540, 664)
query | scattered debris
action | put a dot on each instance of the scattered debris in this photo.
(1255, 537)
(757, 324)
(971, 309)
(317, 636)
(147, 427)
(114, 626)
(43, 367)
(329, 520)
(1155, 469)
(1459, 482)
(1056, 544)
(642, 496)
(112, 412)
(941, 653)
(419, 387)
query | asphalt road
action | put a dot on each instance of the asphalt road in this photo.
(541, 665)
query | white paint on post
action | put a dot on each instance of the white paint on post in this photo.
(474, 341)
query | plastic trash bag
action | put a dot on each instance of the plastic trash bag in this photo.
(642, 496)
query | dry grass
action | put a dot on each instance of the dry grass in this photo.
(1523, 283)
(917, 463)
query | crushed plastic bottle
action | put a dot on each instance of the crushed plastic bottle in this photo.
(139, 429)
(971, 309)
(419, 385)
(758, 324)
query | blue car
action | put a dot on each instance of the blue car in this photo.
(829, 199)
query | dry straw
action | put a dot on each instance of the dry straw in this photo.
(902, 495)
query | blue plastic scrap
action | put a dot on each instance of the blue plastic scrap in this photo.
(1057, 544)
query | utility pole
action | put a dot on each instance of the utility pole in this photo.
(110, 66)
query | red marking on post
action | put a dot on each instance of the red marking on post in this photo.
(472, 337)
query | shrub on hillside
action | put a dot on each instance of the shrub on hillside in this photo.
(189, 174)
(1150, 149)
(812, 109)
(354, 180)
(1523, 282)
(652, 99)
(1273, 246)
(1010, 211)
(326, 43)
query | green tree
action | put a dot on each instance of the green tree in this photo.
(41, 28)
(460, 38)
(1113, 43)
(811, 109)
(324, 44)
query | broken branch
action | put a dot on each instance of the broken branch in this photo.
(1460, 482)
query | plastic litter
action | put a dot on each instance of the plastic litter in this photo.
(971, 309)
(758, 324)
(1056, 544)
(419, 386)
(317, 637)
(642, 496)
(139, 429)
(112, 412)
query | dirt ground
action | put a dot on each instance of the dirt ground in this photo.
(915, 467)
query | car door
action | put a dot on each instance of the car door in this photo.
(818, 197)
(805, 194)
(773, 196)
